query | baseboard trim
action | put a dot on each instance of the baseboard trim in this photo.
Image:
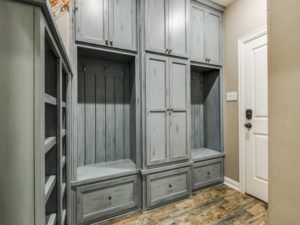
(232, 183)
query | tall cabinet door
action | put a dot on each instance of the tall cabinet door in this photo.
(198, 33)
(213, 36)
(92, 21)
(178, 27)
(179, 98)
(157, 101)
(122, 24)
(156, 25)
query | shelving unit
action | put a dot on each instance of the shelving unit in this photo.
(56, 151)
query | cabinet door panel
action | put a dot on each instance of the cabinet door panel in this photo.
(198, 33)
(213, 37)
(179, 77)
(157, 101)
(179, 73)
(157, 136)
(178, 136)
(156, 25)
(122, 23)
(92, 21)
(178, 27)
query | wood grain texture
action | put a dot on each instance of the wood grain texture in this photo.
(104, 111)
(215, 205)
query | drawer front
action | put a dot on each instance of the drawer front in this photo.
(208, 172)
(106, 198)
(167, 186)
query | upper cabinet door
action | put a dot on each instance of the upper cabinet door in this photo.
(157, 102)
(213, 37)
(179, 98)
(198, 15)
(92, 21)
(156, 25)
(178, 27)
(122, 24)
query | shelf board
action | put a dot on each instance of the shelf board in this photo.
(200, 154)
(63, 132)
(49, 99)
(51, 219)
(49, 186)
(49, 143)
(63, 161)
(63, 189)
(63, 216)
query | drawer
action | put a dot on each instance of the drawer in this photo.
(207, 173)
(168, 186)
(106, 198)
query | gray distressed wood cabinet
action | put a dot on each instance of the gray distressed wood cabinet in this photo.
(206, 34)
(167, 99)
(110, 23)
(166, 26)
(134, 124)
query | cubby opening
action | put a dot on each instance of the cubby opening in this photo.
(205, 113)
(106, 114)
(51, 69)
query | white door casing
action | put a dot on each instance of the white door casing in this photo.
(253, 91)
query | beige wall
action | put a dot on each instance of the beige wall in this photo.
(284, 107)
(63, 23)
(241, 18)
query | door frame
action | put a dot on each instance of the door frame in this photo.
(241, 92)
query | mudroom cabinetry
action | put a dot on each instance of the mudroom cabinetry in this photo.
(206, 34)
(167, 98)
(166, 26)
(110, 23)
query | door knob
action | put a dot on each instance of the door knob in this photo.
(248, 125)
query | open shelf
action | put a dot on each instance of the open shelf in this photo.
(50, 100)
(204, 154)
(101, 171)
(49, 143)
(51, 219)
(49, 186)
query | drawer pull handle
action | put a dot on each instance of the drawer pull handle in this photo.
(109, 198)
(170, 185)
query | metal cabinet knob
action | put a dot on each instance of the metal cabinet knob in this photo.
(167, 51)
(109, 198)
(111, 43)
(170, 51)
(106, 42)
(248, 125)
(170, 185)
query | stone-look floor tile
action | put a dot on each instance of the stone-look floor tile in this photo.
(218, 205)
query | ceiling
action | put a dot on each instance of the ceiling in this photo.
(224, 2)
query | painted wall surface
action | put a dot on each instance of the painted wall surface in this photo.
(241, 18)
(63, 24)
(284, 116)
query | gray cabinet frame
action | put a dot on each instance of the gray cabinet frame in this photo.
(168, 110)
(107, 37)
(168, 48)
(208, 48)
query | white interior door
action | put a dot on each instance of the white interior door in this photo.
(255, 74)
